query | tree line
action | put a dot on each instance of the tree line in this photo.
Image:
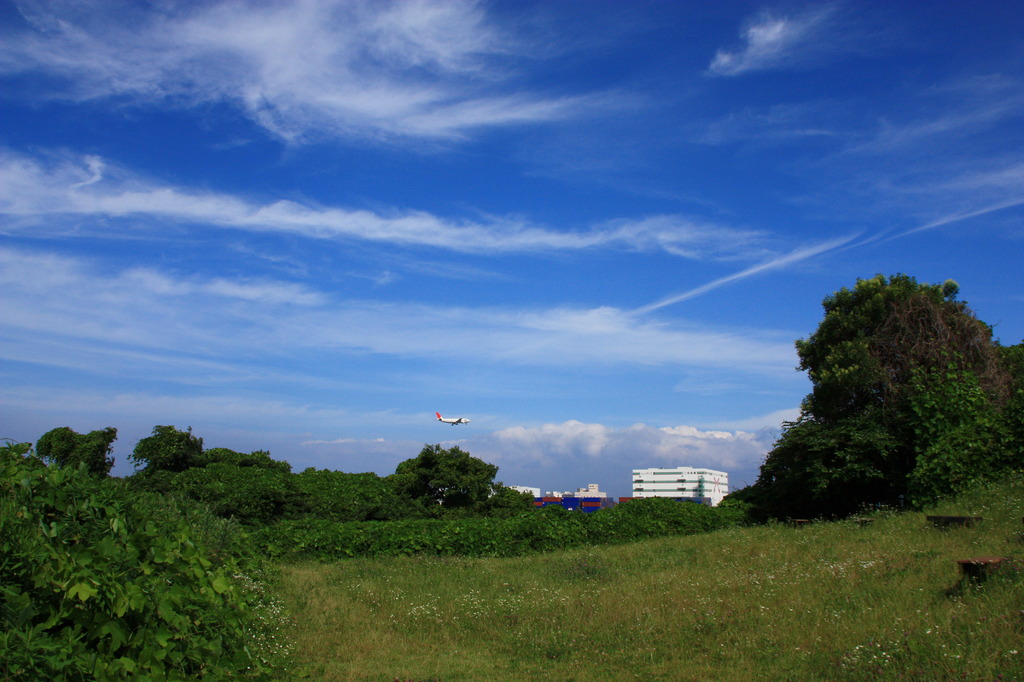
(256, 489)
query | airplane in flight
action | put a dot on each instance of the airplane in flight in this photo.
(453, 422)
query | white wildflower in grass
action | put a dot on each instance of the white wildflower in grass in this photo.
(268, 639)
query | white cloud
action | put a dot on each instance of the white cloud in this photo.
(954, 111)
(52, 273)
(35, 194)
(555, 337)
(150, 311)
(416, 69)
(772, 41)
(940, 160)
(778, 124)
(595, 446)
(273, 293)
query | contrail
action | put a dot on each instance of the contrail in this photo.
(782, 261)
(964, 216)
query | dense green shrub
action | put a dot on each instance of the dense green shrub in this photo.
(251, 494)
(340, 496)
(250, 487)
(654, 517)
(260, 459)
(97, 586)
(505, 502)
(550, 528)
(223, 539)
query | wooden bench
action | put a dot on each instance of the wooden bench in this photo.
(948, 521)
(799, 523)
(864, 522)
(981, 567)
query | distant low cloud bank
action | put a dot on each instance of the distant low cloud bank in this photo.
(550, 456)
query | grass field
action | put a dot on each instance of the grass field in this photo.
(829, 601)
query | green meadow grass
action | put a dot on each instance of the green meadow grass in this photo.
(829, 601)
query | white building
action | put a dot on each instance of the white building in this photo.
(701, 485)
(526, 489)
(590, 491)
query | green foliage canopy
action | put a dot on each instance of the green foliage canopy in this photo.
(445, 478)
(64, 447)
(340, 496)
(506, 502)
(260, 459)
(251, 494)
(168, 449)
(876, 334)
(907, 403)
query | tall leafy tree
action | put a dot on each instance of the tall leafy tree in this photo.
(65, 447)
(445, 479)
(168, 449)
(875, 335)
(904, 379)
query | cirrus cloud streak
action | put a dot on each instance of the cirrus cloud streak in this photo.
(303, 71)
(45, 195)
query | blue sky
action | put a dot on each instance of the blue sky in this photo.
(593, 228)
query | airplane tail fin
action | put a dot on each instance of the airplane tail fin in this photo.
(438, 416)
